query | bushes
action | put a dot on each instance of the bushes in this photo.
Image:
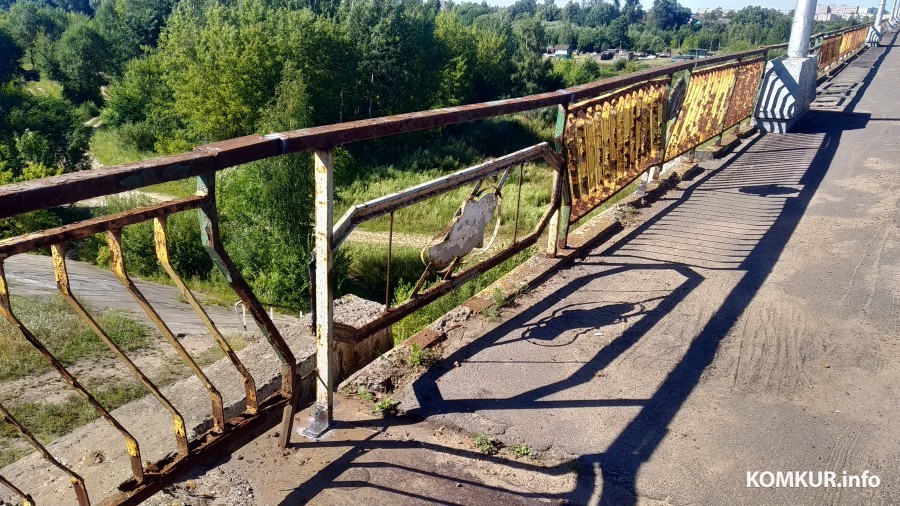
(139, 136)
(186, 251)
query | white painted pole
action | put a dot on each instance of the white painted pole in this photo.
(801, 29)
(878, 17)
(324, 204)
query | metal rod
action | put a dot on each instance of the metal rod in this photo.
(76, 480)
(162, 253)
(114, 240)
(26, 499)
(518, 201)
(65, 289)
(387, 277)
(131, 444)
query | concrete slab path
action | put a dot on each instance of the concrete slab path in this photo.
(32, 275)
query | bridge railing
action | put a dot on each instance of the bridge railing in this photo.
(833, 47)
(608, 134)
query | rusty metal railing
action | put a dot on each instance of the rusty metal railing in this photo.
(224, 433)
(836, 46)
(609, 132)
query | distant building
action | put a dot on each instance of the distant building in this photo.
(835, 12)
(826, 17)
(560, 51)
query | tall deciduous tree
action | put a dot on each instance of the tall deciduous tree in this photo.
(82, 56)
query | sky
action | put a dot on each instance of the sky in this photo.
(735, 4)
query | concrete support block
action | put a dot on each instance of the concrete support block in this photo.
(789, 86)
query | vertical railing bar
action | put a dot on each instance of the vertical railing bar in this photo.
(722, 127)
(518, 202)
(26, 498)
(212, 242)
(448, 273)
(74, 478)
(323, 161)
(131, 444)
(114, 240)
(162, 253)
(387, 277)
(65, 289)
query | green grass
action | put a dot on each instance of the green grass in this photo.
(49, 421)
(366, 279)
(44, 88)
(10, 453)
(107, 147)
(180, 188)
(433, 215)
(64, 334)
(407, 327)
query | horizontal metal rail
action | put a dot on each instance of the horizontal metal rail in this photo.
(22, 197)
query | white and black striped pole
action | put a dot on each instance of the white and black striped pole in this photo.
(875, 32)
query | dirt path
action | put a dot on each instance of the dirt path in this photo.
(381, 238)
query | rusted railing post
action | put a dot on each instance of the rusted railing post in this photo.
(559, 223)
(324, 310)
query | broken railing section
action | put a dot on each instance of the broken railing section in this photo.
(224, 434)
(447, 259)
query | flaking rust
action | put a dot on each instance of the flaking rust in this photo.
(466, 231)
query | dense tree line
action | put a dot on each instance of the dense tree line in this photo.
(169, 74)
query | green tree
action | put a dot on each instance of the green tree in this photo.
(130, 26)
(39, 131)
(218, 62)
(667, 14)
(28, 19)
(12, 53)
(82, 56)
(399, 65)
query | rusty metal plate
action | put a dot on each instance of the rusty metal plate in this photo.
(465, 233)
(830, 50)
(743, 97)
(610, 140)
(703, 111)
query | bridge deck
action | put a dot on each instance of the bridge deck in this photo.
(750, 323)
